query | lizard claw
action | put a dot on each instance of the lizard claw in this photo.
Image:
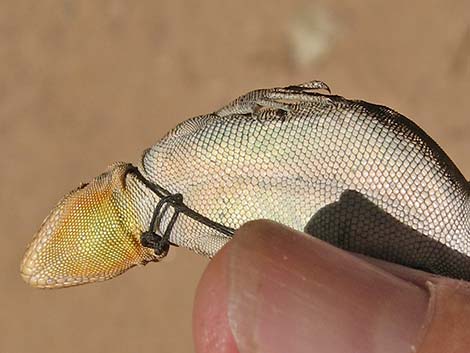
(310, 86)
(275, 98)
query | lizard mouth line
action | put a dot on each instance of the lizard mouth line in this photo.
(161, 243)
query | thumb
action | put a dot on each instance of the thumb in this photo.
(273, 289)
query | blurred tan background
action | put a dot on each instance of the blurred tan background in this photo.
(84, 84)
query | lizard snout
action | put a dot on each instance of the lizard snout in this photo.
(93, 234)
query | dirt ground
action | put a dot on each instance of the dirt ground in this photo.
(84, 84)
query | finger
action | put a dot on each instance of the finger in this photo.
(273, 289)
(211, 329)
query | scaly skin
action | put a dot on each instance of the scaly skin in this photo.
(357, 175)
(93, 234)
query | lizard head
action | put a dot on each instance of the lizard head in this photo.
(93, 234)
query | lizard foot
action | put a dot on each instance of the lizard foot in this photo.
(275, 98)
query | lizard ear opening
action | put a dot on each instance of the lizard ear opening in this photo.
(93, 234)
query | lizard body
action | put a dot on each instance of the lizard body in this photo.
(358, 175)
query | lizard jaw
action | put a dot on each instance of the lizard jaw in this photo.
(93, 234)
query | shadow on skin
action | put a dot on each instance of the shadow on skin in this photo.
(356, 224)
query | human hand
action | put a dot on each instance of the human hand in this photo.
(273, 289)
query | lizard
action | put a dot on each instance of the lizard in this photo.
(358, 175)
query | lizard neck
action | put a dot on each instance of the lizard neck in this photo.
(144, 199)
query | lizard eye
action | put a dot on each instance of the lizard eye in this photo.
(93, 234)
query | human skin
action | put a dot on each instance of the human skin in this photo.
(274, 289)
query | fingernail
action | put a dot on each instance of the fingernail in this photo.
(289, 292)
